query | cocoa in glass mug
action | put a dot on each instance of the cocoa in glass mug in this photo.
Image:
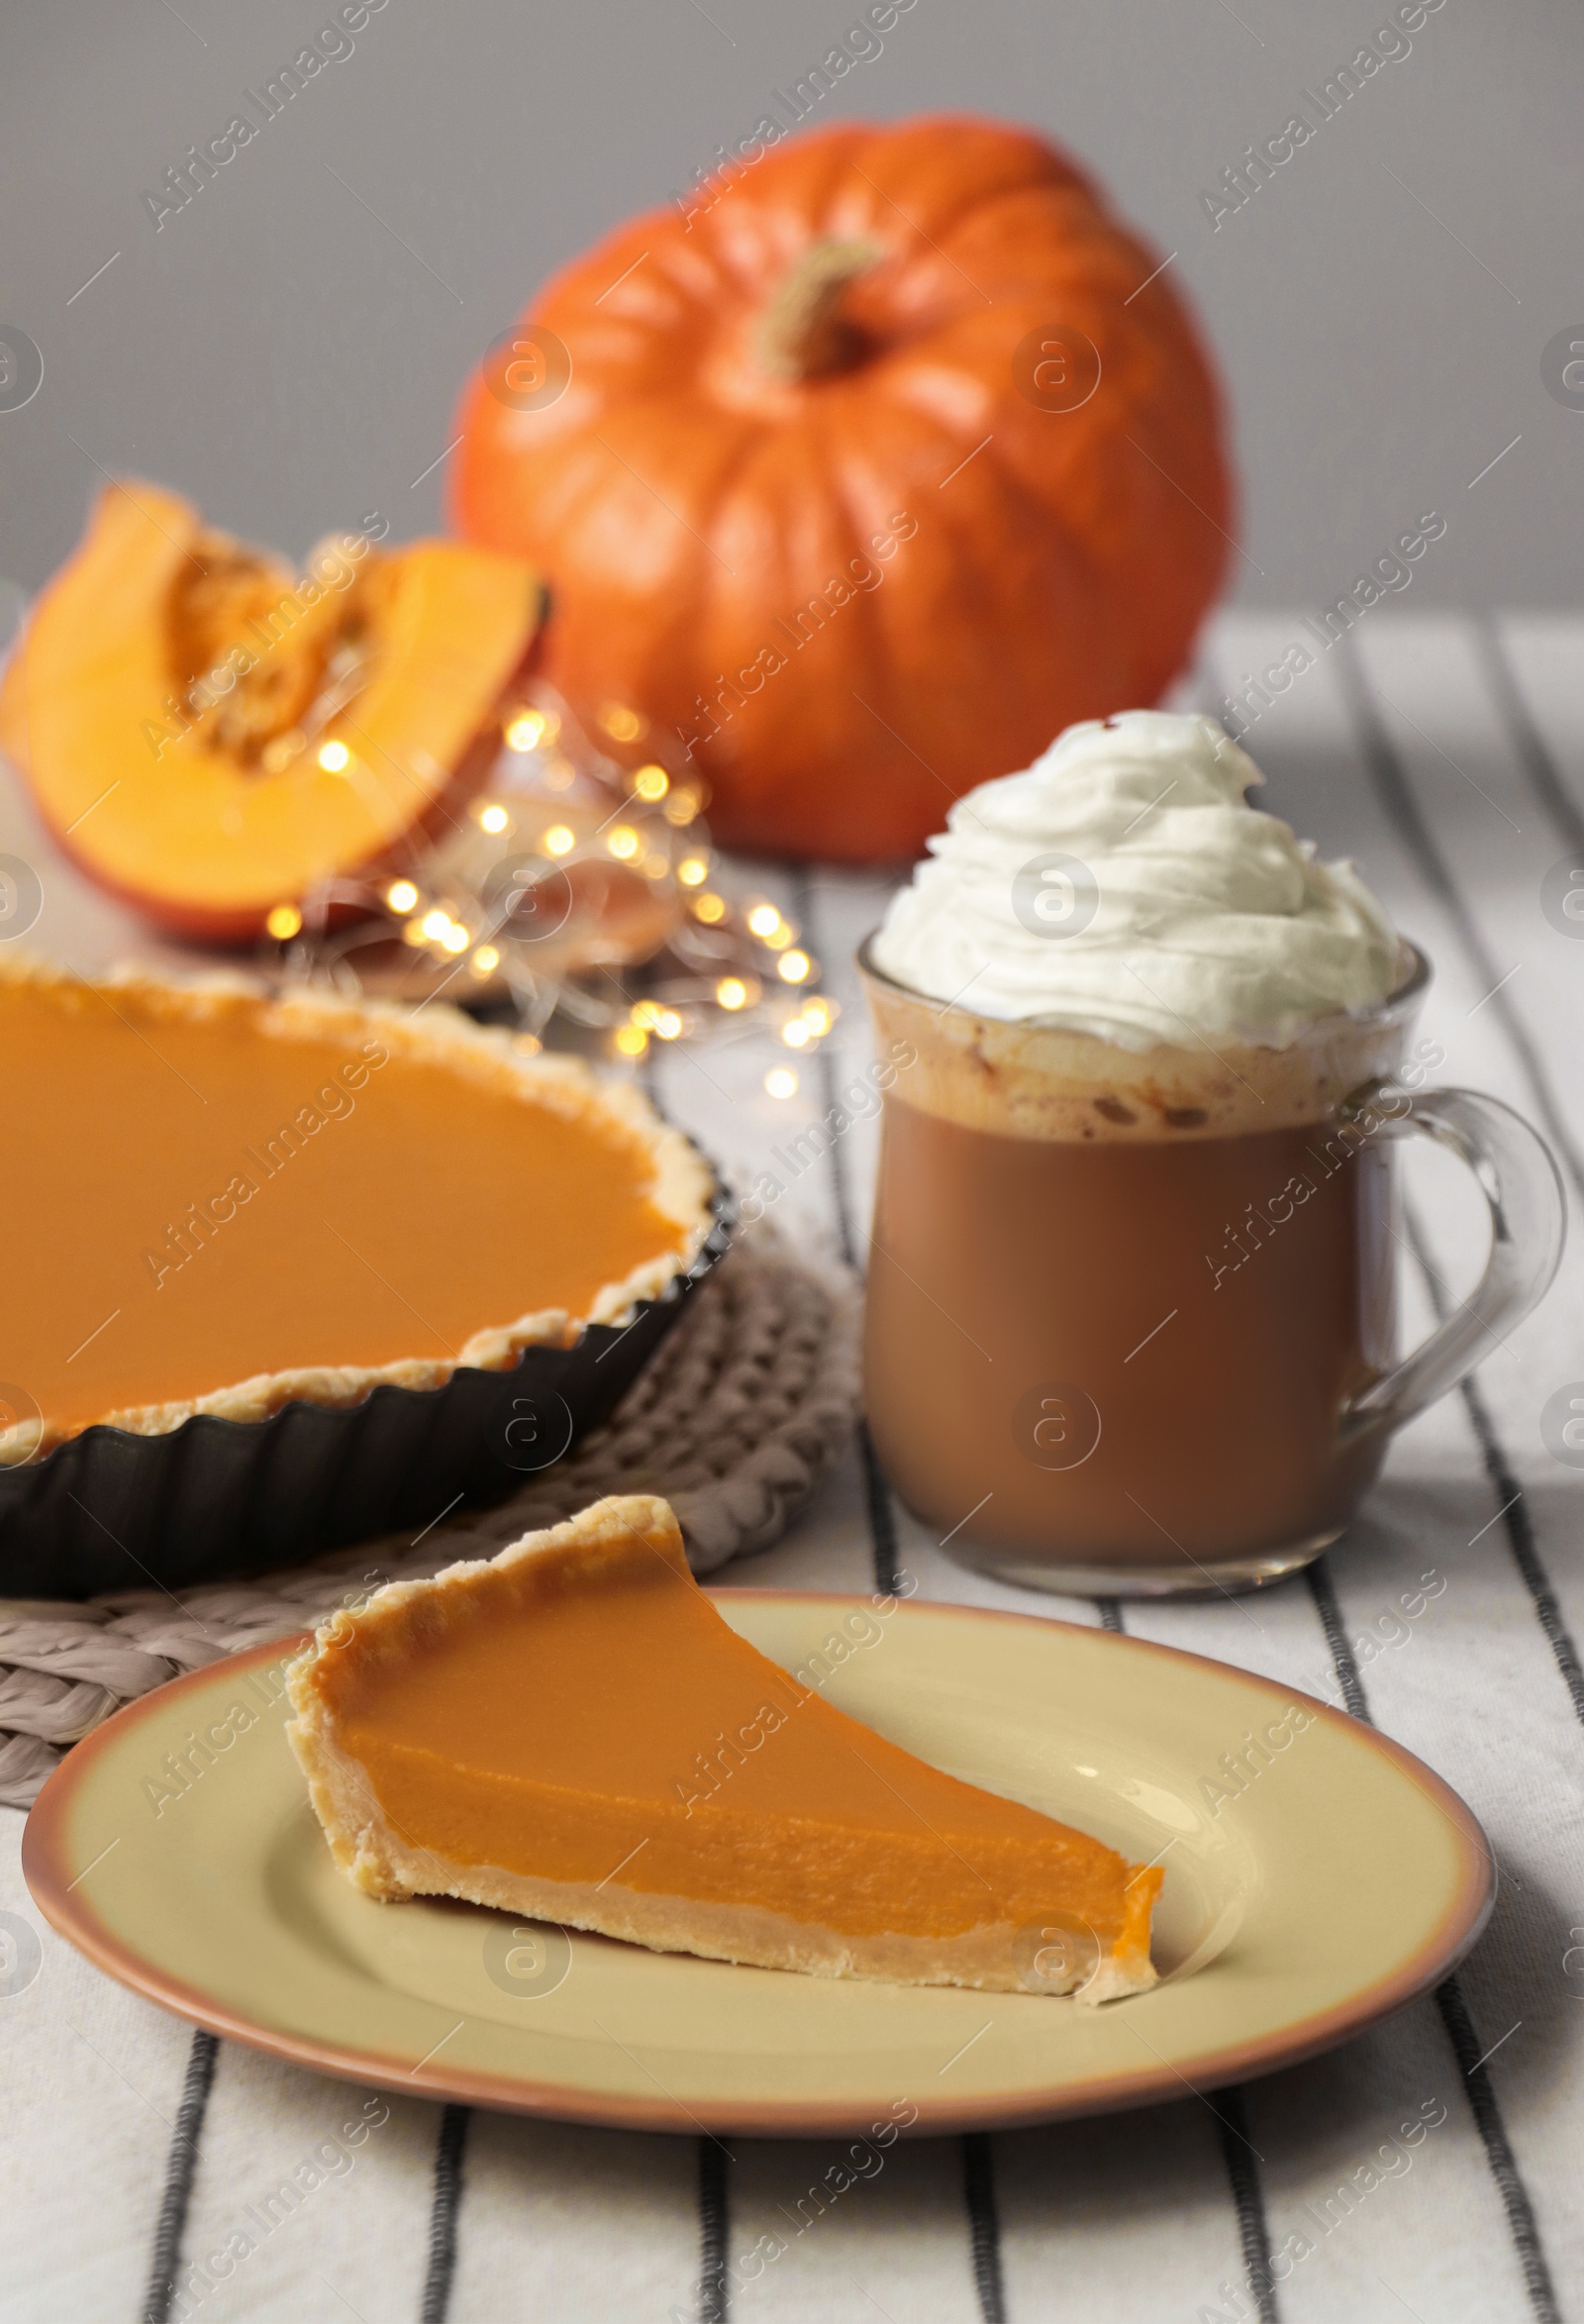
(1132, 1315)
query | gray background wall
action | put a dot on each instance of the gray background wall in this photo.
(289, 346)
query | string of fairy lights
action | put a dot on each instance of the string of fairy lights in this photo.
(579, 883)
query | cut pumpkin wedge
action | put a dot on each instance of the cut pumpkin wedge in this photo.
(211, 735)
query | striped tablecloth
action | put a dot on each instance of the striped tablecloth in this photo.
(1447, 756)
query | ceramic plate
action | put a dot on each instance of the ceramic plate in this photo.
(178, 1849)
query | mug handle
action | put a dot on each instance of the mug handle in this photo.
(1521, 1182)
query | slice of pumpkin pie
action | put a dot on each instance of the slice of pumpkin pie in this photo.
(570, 1731)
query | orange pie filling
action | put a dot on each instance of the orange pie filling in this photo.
(222, 1191)
(577, 1718)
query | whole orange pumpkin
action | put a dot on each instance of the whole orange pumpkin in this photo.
(875, 466)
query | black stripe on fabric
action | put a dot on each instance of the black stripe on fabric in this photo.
(877, 1504)
(824, 1057)
(1520, 1531)
(1392, 788)
(181, 2169)
(1467, 2050)
(1512, 1507)
(443, 2211)
(1242, 2176)
(1344, 1661)
(1465, 2046)
(984, 2226)
(882, 1516)
(714, 2226)
(840, 1182)
(1530, 745)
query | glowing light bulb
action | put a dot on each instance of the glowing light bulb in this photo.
(486, 960)
(651, 782)
(796, 1034)
(781, 1081)
(334, 757)
(794, 967)
(622, 725)
(646, 1014)
(284, 921)
(456, 938)
(732, 993)
(708, 909)
(559, 841)
(435, 925)
(763, 921)
(401, 895)
(494, 817)
(624, 842)
(631, 1040)
(667, 1024)
(526, 731)
(692, 872)
(818, 1014)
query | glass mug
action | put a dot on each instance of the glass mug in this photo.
(1132, 1315)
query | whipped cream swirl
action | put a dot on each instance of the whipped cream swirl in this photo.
(1123, 886)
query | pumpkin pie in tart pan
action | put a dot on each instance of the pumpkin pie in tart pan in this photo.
(299, 1272)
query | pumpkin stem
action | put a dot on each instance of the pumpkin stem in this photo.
(802, 335)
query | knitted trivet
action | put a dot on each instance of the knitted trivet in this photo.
(746, 1403)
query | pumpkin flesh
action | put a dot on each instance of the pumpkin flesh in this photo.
(210, 736)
